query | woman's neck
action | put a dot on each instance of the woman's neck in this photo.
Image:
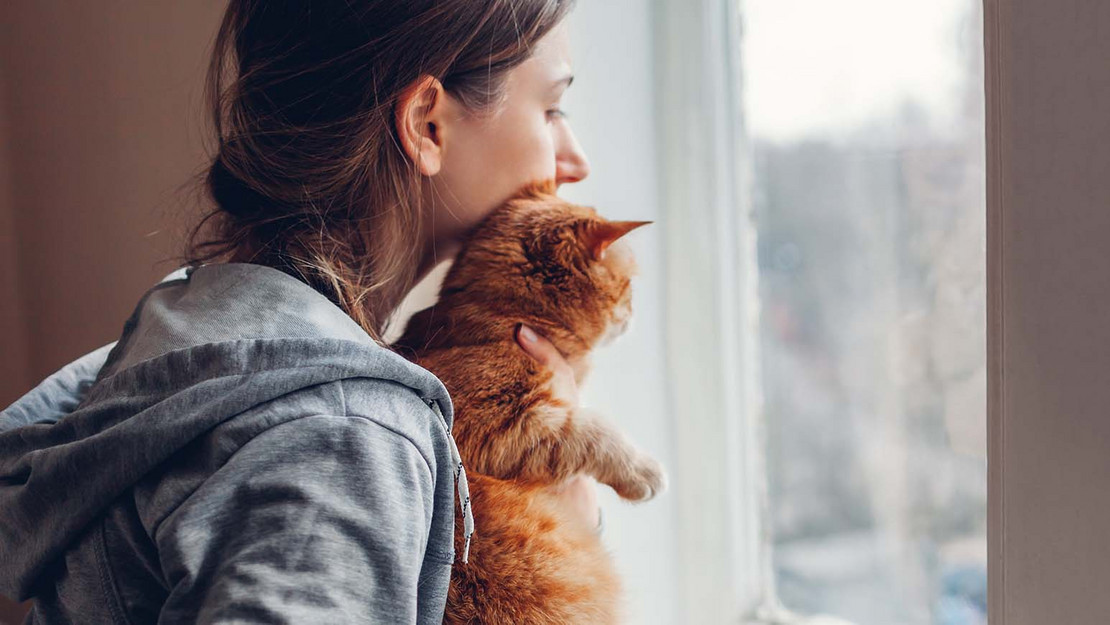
(434, 255)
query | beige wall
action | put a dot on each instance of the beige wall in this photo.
(13, 328)
(100, 122)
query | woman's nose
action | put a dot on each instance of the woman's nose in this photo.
(571, 164)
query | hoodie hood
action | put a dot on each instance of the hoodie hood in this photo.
(201, 347)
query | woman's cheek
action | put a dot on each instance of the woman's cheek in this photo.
(540, 156)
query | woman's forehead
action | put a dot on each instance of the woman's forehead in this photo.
(551, 60)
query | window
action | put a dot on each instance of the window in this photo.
(826, 232)
(866, 125)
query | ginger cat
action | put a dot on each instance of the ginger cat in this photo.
(554, 266)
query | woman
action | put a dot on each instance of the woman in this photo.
(249, 450)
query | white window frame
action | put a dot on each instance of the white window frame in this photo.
(712, 316)
(724, 574)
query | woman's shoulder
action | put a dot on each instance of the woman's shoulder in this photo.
(359, 422)
(363, 406)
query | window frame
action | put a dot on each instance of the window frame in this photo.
(1048, 343)
(724, 572)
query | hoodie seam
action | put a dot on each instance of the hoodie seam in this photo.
(423, 399)
(343, 397)
(423, 456)
(423, 402)
(163, 359)
(107, 580)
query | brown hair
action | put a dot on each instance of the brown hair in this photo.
(308, 174)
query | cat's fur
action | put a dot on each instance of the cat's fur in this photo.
(554, 266)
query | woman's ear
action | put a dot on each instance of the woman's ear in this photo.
(419, 116)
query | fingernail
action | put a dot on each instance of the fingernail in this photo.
(527, 333)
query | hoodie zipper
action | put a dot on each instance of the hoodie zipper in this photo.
(460, 482)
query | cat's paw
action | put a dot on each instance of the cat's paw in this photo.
(646, 480)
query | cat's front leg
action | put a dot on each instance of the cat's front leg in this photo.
(584, 443)
(633, 474)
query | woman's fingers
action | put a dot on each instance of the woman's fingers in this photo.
(538, 347)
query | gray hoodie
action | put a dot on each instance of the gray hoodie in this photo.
(244, 453)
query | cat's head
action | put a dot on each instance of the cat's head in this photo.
(553, 264)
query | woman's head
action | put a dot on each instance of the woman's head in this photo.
(476, 157)
(354, 135)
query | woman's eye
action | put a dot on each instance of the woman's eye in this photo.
(556, 113)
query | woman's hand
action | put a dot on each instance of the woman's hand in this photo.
(579, 493)
(563, 385)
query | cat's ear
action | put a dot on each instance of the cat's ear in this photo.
(599, 234)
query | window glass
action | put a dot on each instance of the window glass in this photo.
(865, 119)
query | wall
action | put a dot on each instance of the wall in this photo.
(103, 126)
(99, 127)
(1048, 142)
(14, 377)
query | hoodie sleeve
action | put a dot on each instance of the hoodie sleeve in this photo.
(322, 519)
